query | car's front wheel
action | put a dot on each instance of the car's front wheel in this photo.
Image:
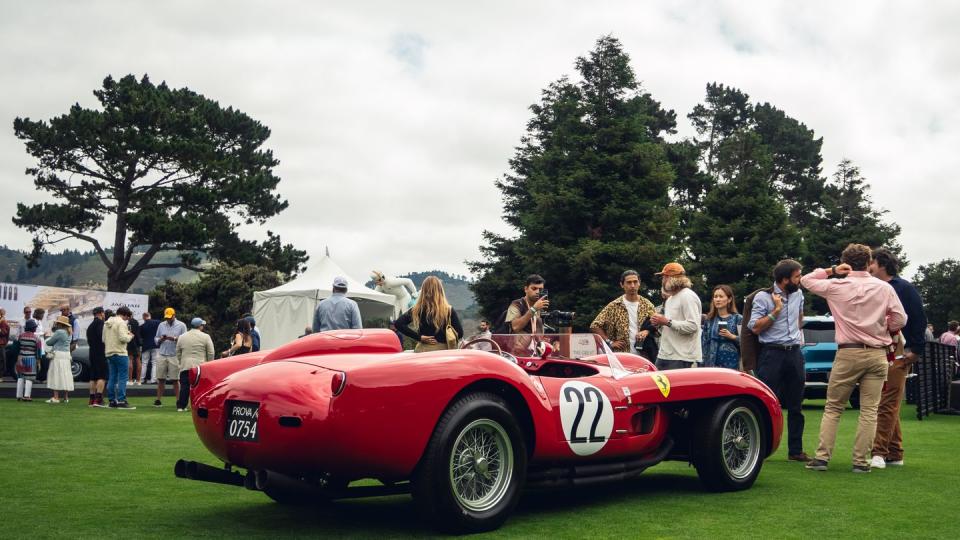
(474, 467)
(729, 446)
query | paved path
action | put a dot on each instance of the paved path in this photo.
(9, 390)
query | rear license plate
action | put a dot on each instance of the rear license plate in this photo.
(242, 419)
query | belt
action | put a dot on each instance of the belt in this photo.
(779, 346)
(859, 346)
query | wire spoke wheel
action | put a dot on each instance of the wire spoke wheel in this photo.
(741, 442)
(481, 465)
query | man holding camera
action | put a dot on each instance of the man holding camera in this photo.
(524, 314)
(680, 321)
(620, 322)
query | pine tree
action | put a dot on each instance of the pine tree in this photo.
(587, 191)
(742, 230)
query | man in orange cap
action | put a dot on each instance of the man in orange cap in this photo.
(680, 321)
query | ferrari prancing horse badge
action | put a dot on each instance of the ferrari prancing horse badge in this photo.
(663, 383)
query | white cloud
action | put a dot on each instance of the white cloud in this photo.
(391, 122)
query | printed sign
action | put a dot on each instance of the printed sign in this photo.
(586, 416)
(14, 297)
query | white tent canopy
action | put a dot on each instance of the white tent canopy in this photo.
(283, 312)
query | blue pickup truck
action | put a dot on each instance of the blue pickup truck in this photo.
(819, 350)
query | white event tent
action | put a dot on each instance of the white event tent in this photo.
(283, 312)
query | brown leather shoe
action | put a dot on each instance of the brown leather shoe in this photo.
(802, 456)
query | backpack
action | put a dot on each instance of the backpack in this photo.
(501, 326)
(749, 342)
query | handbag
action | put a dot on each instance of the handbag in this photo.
(451, 335)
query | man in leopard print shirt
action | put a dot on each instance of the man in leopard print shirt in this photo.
(621, 322)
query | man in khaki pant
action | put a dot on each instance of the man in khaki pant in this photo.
(888, 444)
(866, 310)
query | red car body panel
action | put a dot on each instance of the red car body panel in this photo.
(379, 425)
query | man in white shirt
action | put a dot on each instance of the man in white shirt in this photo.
(680, 322)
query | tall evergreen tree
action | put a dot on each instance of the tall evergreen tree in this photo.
(587, 191)
(725, 111)
(939, 286)
(796, 163)
(742, 230)
(850, 216)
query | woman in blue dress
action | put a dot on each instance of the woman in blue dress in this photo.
(721, 331)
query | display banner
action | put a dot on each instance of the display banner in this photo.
(14, 297)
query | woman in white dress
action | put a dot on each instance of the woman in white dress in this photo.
(59, 376)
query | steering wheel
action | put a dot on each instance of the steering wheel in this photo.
(483, 340)
(500, 352)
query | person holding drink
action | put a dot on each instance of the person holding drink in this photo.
(720, 338)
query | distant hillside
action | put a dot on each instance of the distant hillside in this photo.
(82, 270)
(457, 289)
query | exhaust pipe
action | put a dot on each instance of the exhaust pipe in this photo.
(205, 473)
(264, 480)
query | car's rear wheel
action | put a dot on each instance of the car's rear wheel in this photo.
(474, 467)
(729, 446)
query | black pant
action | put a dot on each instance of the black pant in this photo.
(184, 398)
(783, 371)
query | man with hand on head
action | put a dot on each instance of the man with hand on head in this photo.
(866, 312)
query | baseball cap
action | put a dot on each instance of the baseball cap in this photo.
(340, 282)
(671, 269)
(197, 322)
(169, 312)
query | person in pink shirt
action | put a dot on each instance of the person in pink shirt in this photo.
(866, 311)
(950, 336)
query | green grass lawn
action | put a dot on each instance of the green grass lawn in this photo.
(75, 472)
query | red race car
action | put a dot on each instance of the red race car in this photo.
(466, 430)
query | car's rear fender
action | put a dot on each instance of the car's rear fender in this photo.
(391, 411)
(679, 427)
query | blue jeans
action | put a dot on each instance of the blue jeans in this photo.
(119, 370)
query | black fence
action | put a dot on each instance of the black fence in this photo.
(929, 386)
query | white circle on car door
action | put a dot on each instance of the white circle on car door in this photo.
(586, 417)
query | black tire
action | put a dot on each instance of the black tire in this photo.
(79, 371)
(447, 502)
(735, 465)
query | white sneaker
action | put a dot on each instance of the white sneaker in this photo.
(897, 463)
(53, 400)
(878, 463)
(181, 410)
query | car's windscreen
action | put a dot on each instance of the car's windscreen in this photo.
(561, 346)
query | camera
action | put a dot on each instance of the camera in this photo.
(558, 318)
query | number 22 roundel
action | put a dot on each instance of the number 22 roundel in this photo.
(586, 416)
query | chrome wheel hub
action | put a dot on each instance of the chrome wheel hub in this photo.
(741, 442)
(481, 465)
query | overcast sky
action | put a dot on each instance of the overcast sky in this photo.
(392, 120)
